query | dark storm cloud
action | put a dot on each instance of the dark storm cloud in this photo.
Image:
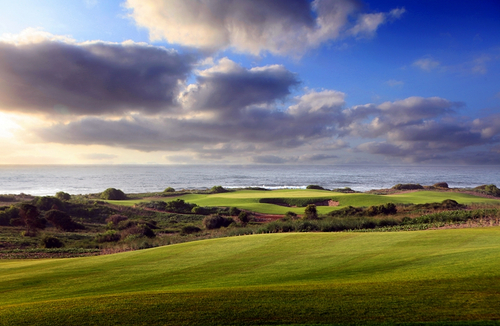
(419, 129)
(229, 88)
(249, 128)
(56, 77)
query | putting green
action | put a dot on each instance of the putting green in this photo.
(249, 199)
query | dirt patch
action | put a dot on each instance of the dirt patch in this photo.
(331, 203)
(481, 223)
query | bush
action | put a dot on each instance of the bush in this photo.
(51, 242)
(315, 187)
(115, 219)
(8, 214)
(61, 195)
(47, 203)
(311, 213)
(139, 229)
(347, 211)
(62, 221)
(345, 190)
(407, 186)
(29, 217)
(440, 185)
(109, 236)
(244, 218)
(217, 190)
(291, 215)
(234, 211)
(216, 222)
(489, 190)
(387, 209)
(113, 194)
(188, 229)
(169, 189)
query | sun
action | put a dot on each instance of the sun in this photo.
(7, 125)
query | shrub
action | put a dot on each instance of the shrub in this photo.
(387, 209)
(347, 211)
(51, 242)
(29, 217)
(115, 219)
(109, 236)
(62, 221)
(234, 211)
(216, 221)
(154, 204)
(311, 213)
(315, 187)
(188, 229)
(492, 190)
(61, 195)
(179, 206)
(169, 189)
(440, 185)
(291, 215)
(345, 190)
(139, 229)
(407, 186)
(244, 218)
(47, 203)
(306, 226)
(217, 189)
(113, 194)
(8, 214)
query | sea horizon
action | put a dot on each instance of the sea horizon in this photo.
(47, 179)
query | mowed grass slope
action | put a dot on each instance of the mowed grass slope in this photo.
(249, 199)
(289, 278)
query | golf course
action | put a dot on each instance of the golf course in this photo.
(380, 270)
(435, 276)
(255, 200)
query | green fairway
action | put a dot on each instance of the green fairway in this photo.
(249, 199)
(288, 278)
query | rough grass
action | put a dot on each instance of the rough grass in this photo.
(250, 199)
(327, 278)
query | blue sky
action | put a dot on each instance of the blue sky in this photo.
(284, 82)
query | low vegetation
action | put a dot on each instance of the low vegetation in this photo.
(150, 220)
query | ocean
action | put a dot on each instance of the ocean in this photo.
(41, 180)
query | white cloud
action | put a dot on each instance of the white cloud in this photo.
(255, 26)
(426, 64)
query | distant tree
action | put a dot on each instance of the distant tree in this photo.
(217, 189)
(116, 218)
(315, 187)
(311, 213)
(46, 203)
(62, 220)
(29, 218)
(169, 189)
(61, 195)
(440, 185)
(51, 242)
(113, 194)
(244, 218)
(234, 211)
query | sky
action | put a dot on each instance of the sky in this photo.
(250, 82)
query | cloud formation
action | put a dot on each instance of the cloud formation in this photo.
(42, 73)
(256, 26)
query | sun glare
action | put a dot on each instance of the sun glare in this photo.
(7, 124)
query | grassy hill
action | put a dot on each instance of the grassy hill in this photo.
(251, 199)
(288, 278)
